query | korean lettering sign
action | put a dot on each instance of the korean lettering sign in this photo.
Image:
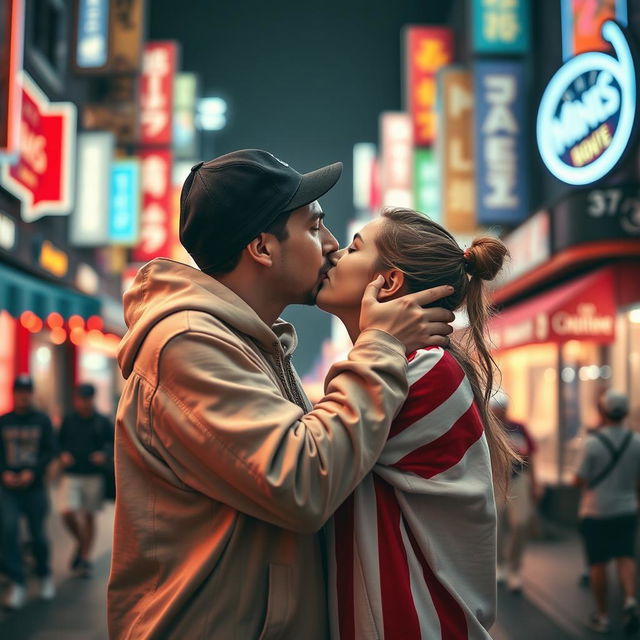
(125, 206)
(500, 26)
(92, 46)
(500, 150)
(42, 174)
(156, 93)
(427, 50)
(155, 221)
(458, 185)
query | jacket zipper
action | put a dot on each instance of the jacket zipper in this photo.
(290, 387)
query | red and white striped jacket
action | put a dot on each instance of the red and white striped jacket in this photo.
(412, 550)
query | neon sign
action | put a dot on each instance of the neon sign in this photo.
(587, 113)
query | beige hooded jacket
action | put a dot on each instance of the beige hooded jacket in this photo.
(225, 474)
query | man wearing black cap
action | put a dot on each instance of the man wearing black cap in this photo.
(86, 446)
(27, 446)
(226, 474)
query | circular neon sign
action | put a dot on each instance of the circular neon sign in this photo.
(587, 113)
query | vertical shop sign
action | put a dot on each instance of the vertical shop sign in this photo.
(458, 186)
(42, 175)
(184, 116)
(125, 203)
(155, 220)
(500, 26)
(364, 157)
(156, 93)
(582, 22)
(500, 150)
(426, 183)
(427, 49)
(397, 156)
(92, 35)
(126, 29)
(90, 219)
(11, 43)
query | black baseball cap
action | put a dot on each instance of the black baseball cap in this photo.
(23, 382)
(226, 202)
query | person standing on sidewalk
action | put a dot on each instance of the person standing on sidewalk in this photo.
(86, 444)
(517, 509)
(27, 446)
(609, 476)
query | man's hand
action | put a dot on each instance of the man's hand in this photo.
(405, 319)
(10, 479)
(66, 459)
(98, 458)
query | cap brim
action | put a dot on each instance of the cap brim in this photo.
(314, 185)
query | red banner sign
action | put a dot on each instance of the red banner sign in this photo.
(42, 175)
(155, 223)
(156, 93)
(427, 50)
(11, 35)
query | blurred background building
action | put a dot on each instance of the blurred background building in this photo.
(512, 117)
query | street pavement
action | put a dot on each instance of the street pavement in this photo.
(552, 606)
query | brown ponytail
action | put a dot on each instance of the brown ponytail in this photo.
(429, 256)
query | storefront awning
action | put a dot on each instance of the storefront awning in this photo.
(22, 292)
(582, 309)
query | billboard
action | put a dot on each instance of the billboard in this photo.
(502, 186)
(90, 220)
(582, 22)
(427, 49)
(500, 26)
(42, 175)
(426, 183)
(456, 150)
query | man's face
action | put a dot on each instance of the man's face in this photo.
(84, 406)
(302, 260)
(22, 399)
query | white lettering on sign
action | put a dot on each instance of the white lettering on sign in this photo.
(578, 111)
(500, 127)
(33, 148)
(585, 322)
(155, 114)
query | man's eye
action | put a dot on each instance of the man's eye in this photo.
(315, 228)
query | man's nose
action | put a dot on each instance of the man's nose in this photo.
(329, 243)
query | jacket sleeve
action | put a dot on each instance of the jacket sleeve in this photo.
(48, 447)
(225, 429)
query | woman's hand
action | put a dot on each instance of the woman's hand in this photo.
(405, 319)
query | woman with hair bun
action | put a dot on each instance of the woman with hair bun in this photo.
(412, 551)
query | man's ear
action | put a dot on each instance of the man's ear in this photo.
(260, 249)
(393, 284)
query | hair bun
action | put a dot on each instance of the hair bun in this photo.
(485, 257)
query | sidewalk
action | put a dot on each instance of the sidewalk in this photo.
(552, 569)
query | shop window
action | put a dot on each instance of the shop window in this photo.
(48, 39)
(7, 360)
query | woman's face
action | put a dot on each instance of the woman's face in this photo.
(345, 283)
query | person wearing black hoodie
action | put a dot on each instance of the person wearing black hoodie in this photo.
(27, 446)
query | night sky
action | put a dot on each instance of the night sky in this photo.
(304, 81)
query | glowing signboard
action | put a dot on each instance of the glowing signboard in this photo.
(587, 113)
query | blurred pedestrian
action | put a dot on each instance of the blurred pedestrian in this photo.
(609, 476)
(86, 450)
(517, 509)
(27, 446)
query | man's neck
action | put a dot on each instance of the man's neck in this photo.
(259, 298)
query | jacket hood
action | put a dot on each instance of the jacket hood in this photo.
(163, 287)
